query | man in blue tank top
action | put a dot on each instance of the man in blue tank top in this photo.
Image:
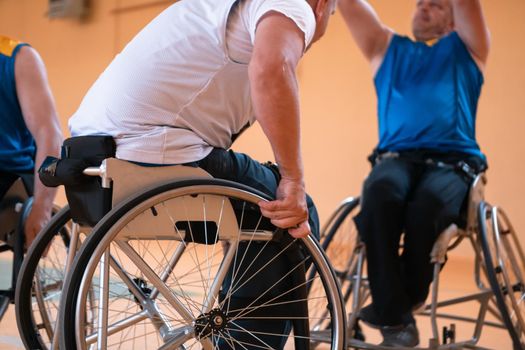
(29, 127)
(427, 91)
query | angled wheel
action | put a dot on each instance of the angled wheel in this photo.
(339, 237)
(194, 265)
(340, 241)
(40, 282)
(345, 251)
(505, 263)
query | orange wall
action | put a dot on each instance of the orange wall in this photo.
(338, 102)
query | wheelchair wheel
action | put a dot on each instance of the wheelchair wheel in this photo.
(340, 241)
(339, 237)
(193, 264)
(40, 282)
(505, 263)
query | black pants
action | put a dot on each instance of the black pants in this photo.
(241, 168)
(7, 179)
(421, 200)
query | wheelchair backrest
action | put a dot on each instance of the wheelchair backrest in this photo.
(88, 200)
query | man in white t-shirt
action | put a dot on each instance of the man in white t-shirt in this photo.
(196, 77)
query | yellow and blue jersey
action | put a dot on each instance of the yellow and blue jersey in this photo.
(17, 146)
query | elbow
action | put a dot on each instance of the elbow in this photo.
(267, 71)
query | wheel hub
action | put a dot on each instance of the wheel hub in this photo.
(143, 286)
(212, 322)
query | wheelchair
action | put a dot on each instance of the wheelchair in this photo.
(174, 261)
(14, 209)
(499, 274)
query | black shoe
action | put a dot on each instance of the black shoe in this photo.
(357, 333)
(368, 315)
(407, 336)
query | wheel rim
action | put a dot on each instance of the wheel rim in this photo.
(345, 252)
(498, 253)
(187, 296)
(511, 264)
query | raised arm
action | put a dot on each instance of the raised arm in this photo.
(471, 27)
(40, 116)
(371, 36)
(278, 47)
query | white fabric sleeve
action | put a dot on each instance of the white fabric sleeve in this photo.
(297, 10)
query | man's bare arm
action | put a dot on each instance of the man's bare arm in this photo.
(38, 109)
(279, 45)
(471, 27)
(370, 34)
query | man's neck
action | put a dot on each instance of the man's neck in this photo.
(432, 41)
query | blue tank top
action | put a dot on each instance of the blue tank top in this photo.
(17, 146)
(428, 96)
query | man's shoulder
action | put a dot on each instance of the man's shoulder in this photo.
(452, 43)
(298, 11)
(289, 8)
(8, 45)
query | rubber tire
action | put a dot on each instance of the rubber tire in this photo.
(23, 293)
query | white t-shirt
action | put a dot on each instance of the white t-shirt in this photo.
(181, 87)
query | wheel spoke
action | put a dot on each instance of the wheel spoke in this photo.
(179, 273)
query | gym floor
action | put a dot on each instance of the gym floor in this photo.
(456, 281)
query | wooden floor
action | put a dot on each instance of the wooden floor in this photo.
(456, 281)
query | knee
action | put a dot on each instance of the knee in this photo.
(382, 190)
(428, 206)
(431, 213)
